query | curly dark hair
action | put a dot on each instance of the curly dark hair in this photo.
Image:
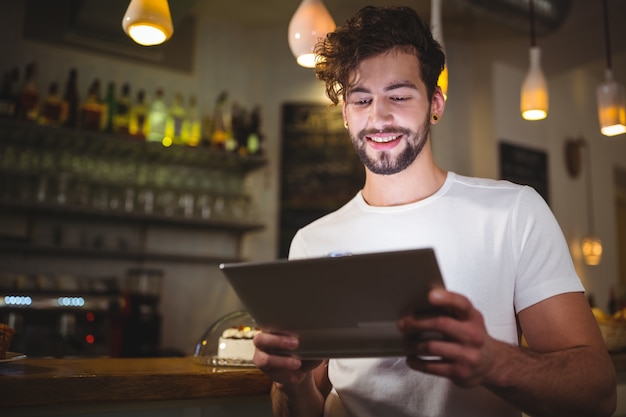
(371, 31)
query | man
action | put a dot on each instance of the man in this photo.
(503, 257)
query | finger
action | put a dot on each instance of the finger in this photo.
(469, 332)
(456, 304)
(268, 342)
(269, 363)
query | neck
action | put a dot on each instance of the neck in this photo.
(420, 180)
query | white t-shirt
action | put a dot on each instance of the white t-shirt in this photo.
(497, 243)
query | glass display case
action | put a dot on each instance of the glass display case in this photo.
(228, 341)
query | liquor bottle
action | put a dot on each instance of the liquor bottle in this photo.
(193, 130)
(7, 104)
(175, 120)
(255, 137)
(219, 123)
(138, 125)
(28, 103)
(239, 125)
(121, 122)
(53, 110)
(157, 118)
(109, 107)
(613, 304)
(71, 98)
(91, 112)
(10, 93)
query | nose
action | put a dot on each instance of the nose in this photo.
(381, 115)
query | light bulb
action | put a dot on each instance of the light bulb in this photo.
(148, 22)
(611, 107)
(534, 94)
(309, 24)
(442, 82)
(592, 250)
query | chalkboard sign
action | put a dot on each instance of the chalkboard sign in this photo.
(525, 166)
(320, 170)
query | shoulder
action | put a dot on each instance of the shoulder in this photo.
(491, 191)
(478, 183)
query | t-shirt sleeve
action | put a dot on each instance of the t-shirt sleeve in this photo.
(543, 263)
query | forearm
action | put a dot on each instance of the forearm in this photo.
(302, 400)
(572, 382)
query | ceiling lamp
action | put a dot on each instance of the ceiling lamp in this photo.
(437, 30)
(610, 94)
(148, 22)
(591, 245)
(310, 22)
(534, 96)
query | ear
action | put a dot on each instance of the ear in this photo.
(343, 112)
(438, 103)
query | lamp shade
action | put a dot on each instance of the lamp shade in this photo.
(592, 250)
(310, 22)
(534, 95)
(148, 22)
(611, 106)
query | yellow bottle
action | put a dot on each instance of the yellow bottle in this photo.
(138, 123)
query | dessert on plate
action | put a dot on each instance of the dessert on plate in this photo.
(6, 334)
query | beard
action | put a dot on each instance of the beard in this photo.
(385, 163)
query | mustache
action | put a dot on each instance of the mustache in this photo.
(368, 132)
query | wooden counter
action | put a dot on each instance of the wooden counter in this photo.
(42, 387)
(88, 384)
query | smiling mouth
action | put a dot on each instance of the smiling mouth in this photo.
(383, 139)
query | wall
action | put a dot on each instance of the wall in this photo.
(256, 67)
(572, 115)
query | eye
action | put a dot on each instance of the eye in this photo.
(399, 98)
(362, 101)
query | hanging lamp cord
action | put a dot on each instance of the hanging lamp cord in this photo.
(583, 144)
(607, 35)
(531, 13)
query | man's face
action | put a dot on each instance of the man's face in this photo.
(388, 112)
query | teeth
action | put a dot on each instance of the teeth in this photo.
(384, 139)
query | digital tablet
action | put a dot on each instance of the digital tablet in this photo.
(338, 306)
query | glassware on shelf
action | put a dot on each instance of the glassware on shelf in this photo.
(203, 206)
(145, 201)
(207, 349)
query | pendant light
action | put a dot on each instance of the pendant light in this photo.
(309, 24)
(591, 245)
(610, 94)
(148, 22)
(437, 30)
(534, 94)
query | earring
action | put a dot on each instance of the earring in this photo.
(345, 124)
(435, 117)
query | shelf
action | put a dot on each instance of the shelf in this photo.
(27, 249)
(95, 171)
(62, 211)
(105, 145)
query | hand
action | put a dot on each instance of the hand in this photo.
(284, 369)
(466, 351)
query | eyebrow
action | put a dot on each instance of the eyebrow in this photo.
(390, 87)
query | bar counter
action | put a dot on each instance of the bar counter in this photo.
(49, 387)
(40, 387)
